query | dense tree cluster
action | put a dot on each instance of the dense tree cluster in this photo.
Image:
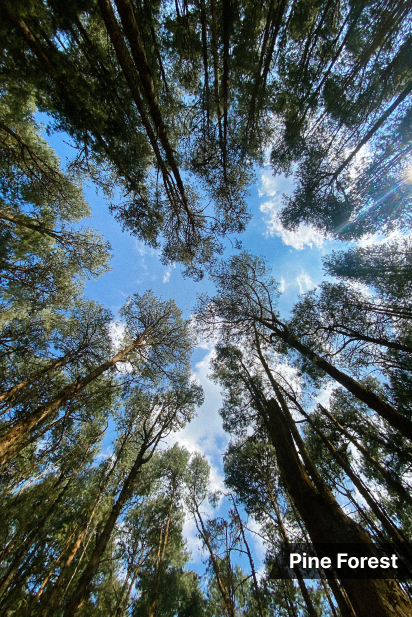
(170, 108)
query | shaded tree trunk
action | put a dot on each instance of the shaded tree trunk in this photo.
(327, 523)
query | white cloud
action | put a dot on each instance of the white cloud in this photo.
(275, 188)
(143, 249)
(205, 432)
(116, 332)
(305, 235)
(378, 238)
(258, 543)
(324, 396)
(274, 185)
(304, 282)
(166, 276)
(283, 285)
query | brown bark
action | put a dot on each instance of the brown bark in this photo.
(82, 590)
(284, 535)
(29, 610)
(387, 524)
(160, 559)
(327, 523)
(13, 440)
(33, 534)
(341, 598)
(132, 79)
(385, 410)
(252, 565)
(9, 395)
(132, 32)
(392, 482)
(56, 593)
(227, 600)
(120, 611)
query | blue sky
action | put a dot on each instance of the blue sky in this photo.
(296, 259)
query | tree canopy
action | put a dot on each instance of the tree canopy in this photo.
(171, 109)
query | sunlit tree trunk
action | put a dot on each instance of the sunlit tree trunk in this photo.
(12, 441)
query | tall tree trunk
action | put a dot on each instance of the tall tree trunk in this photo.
(374, 129)
(341, 598)
(122, 606)
(327, 523)
(33, 534)
(252, 565)
(160, 560)
(9, 395)
(203, 21)
(12, 441)
(53, 600)
(132, 79)
(284, 535)
(392, 482)
(227, 23)
(215, 56)
(29, 609)
(385, 410)
(82, 590)
(385, 521)
(224, 592)
(138, 52)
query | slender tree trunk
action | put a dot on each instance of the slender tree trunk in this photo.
(252, 565)
(290, 605)
(13, 440)
(341, 598)
(133, 35)
(160, 560)
(57, 592)
(29, 609)
(82, 590)
(284, 535)
(9, 395)
(281, 8)
(385, 410)
(205, 57)
(32, 536)
(386, 523)
(122, 607)
(373, 130)
(215, 56)
(392, 482)
(132, 78)
(227, 600)
(227, 22)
